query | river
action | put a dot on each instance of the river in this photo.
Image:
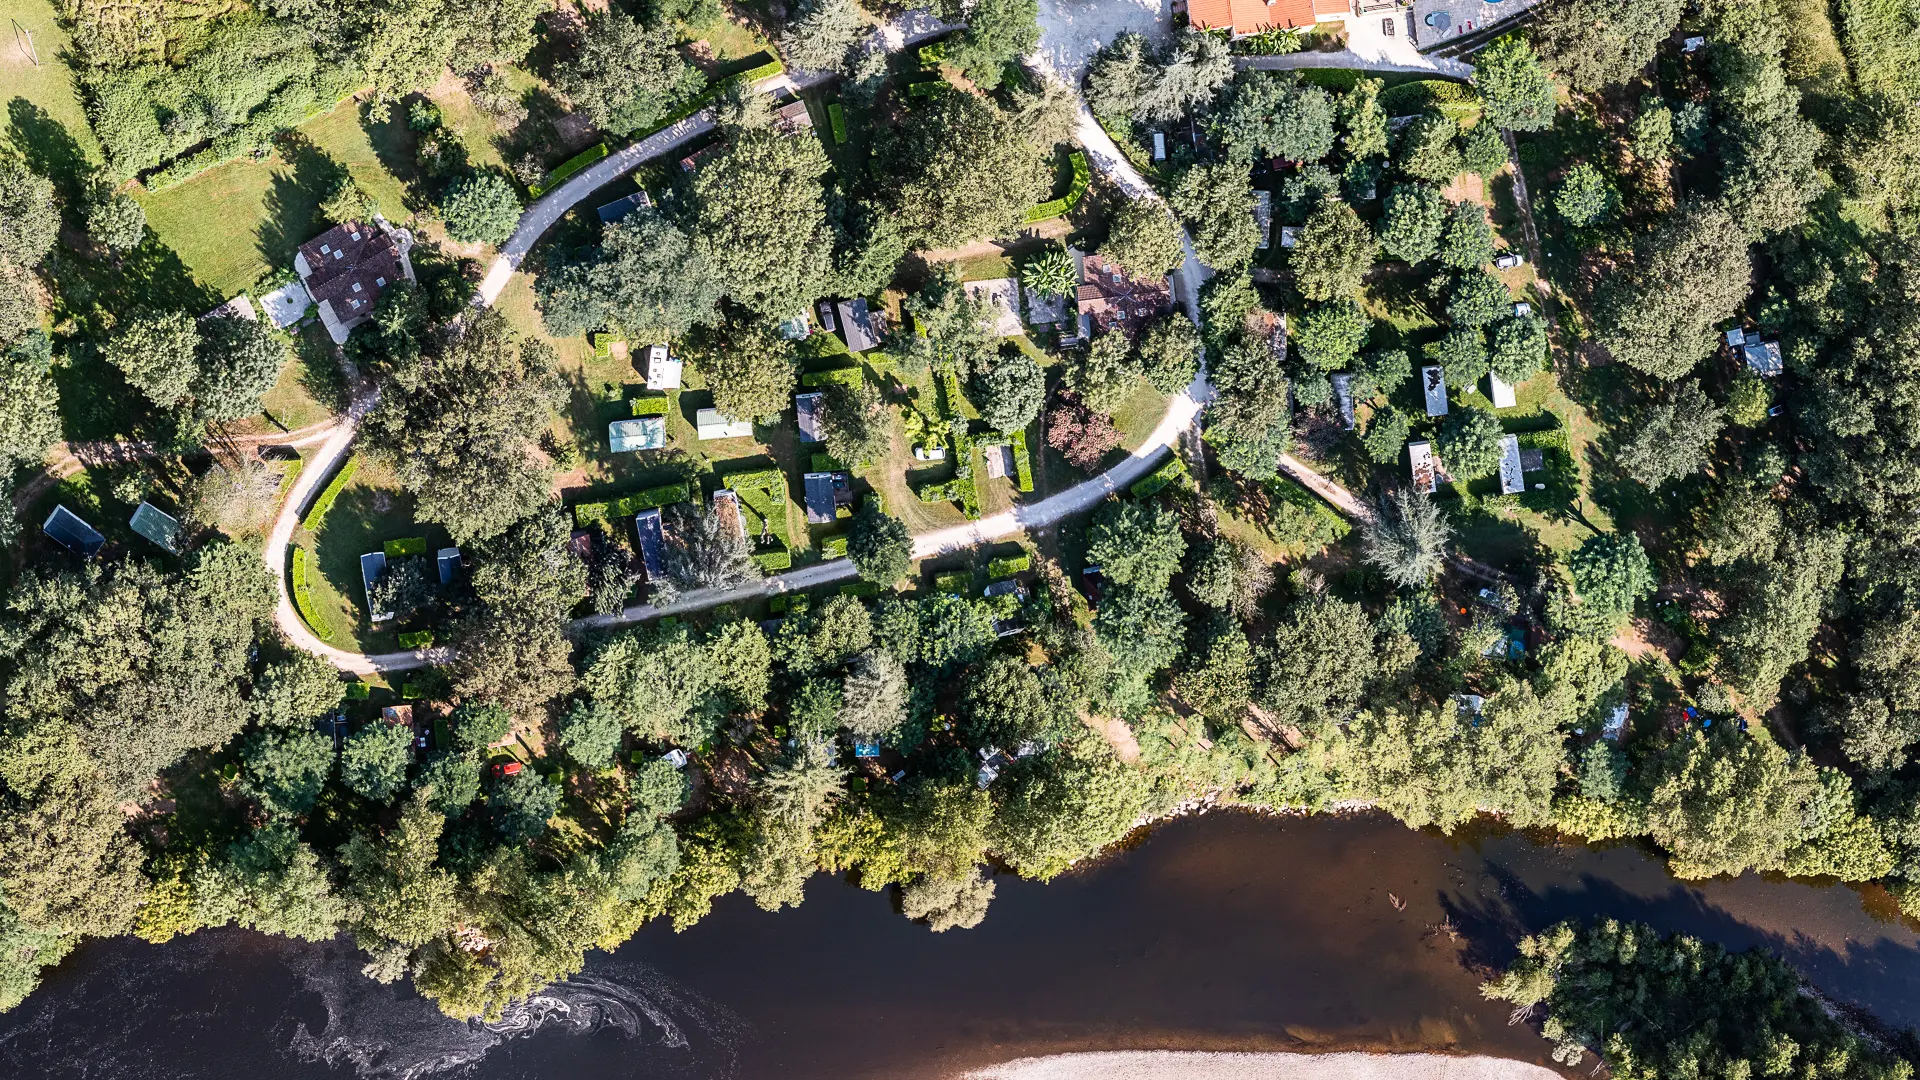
(1226, 931)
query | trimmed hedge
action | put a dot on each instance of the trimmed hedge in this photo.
(860, 589)
(318, 511)
(1006, 568)
(303, 598)
(652, 498)
(651, 406)
(419, 639)
(770, 561)
(1339, 80)
(1156, 481)
(712, 93)
(850, 377)
(568, 167)
(956, 582)
(358, 691)
(837, 116)
(1053, 208)
(603, 345)
(833, 547)
(1022, 461)
(400, 549)
(1454, 100)
(293, 473)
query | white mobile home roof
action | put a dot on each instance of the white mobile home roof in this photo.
(156, 525)
(1433, 382)
(710, 424)
(1420, 455)
(641, 433)
(663, 369)
(1502, 392)
(1512, 482)
(1343, 393)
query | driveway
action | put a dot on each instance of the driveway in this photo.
(1071, 31)
(1462, 16)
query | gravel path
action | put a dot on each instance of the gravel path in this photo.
(1184, 1065)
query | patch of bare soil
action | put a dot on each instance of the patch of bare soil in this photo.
(1118, 735)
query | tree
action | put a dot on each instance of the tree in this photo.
(760, 218)
(1274, 114)
(459, 422)
(1012, 391)
(294, 692)
(1469, 443)
(1596, 43)
(590, 733)
(856, 423)
(1143, 239)
(29, 213)
(1689, 276)
(1363, 122)
(1672, 438)
(1748, 399)
(1519, 348)
(625, 76)
(1334, 252)
(1217, 203)
(396, 892)
(29, 402)
(348, 202)
(1427, 150)
(1380, 371)
(272, 882)
(1107, 371)
(1249, 422)
(879, 545)
(1610, 573)
(1330, 335)
(1775, 609)
(1136, 545)
(1482, 150)
(1731, 804)
(71, 867)
(237, 362)
(1386, 435)
(789, 800)
(1517, 91)
(522, 805)
(115, 220)
(374, 761)
(1415, 216)
(948, 904)
(1195, 67)
(1082, 434)
(1462, 356)
(749, 369)
(1050, 272)
(997, 33)
(1059, 808)
(1478, 297)
(1651, 131)
(1121, 75)
(1169, 353)
(646, 278)
(1467, 242)
(156, 353)
(875, 695)
(481, 208)
(820, 39)
(952, 327)
(1049, 113)
(1585, 197)
(1444, 767)
(706, 550)
(963, 171)
(1230, 576)
(284, 770)
(1407, 542)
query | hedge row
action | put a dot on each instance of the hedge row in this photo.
(1006, 568)
(567, 168)
(850, 377)
(860, 589)
(400, 549)
(419, 639)
(293, 473)
(1289, 490)
(1455, 100)
(585, 514)
(837, 115)
(318, 511)
(834, 547)
(603, 345)
(1154, 482)
(1053, 208)
(956, 582)
(303, 598)
(651, 406)
(777, 559)
(712, 94)
(1022, 461)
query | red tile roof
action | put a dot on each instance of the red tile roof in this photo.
(1253, 16)
(1111, 298)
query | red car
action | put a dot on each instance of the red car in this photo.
(506, 768)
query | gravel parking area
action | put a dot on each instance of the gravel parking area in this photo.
(1071, 31)
(1464, 17)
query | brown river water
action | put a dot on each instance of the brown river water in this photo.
(1222, 932)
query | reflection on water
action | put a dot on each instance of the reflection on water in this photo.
(1227, 932)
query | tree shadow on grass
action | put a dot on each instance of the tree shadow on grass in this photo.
(293, 201)
(49, 149)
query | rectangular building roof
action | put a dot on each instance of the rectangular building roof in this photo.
(157, 526)
(1263, 217)
(857, 324)
(1512, 482)
(653, 541)
(621, 207)
(1763, 357)
(372, 565)
(1502, 395)
(1433, 382)
(711, 424)
(820, 497)
(1343, 393)
(663, 368)
(67, 529)
(806, 408)
(1424, 465)
(447, 564)
(640, 433)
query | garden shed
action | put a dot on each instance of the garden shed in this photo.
(157, 526)
(67, 529)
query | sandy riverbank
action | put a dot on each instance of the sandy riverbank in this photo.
(1182, 1065)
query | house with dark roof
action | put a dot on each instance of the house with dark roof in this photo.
(1762, 357)
(860, 325)
(1243, 17)
(346, 268)
(621, 207)
(652, 535)
(806, 408)
(826, 493)
(792, 116)
(447, 563)
(1108, 298)
(66, 528)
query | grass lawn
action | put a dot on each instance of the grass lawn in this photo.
(239, 224)
(371, 511)
(43, 92)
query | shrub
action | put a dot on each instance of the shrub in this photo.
(651, 406)
(419, 639)
(568, 167)
(1454, 100)
(481, 208)
(1156, 481)
(400, 549)
(1022, 461)
(318, 511)
(834, 547)
(303, 597)
(955, 582)
(1053, 208)
(1009, 566)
